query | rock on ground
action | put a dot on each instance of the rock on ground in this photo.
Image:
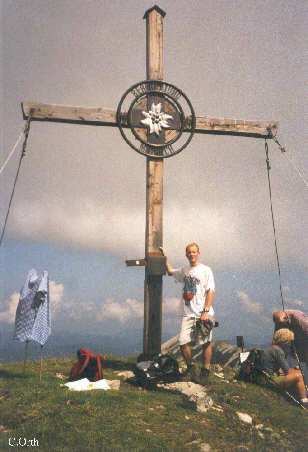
(194, 392)
(126, 374)
(224, 353)
(244, 417)
(198, 445)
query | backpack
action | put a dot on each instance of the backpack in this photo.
(162, 368)
(251, 368)
(89, 365)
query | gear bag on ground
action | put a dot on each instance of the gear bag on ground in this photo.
(89, 365)
(162, 368)
(251, 366)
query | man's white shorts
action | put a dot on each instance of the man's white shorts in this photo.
(188, 333)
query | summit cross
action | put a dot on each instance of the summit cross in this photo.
(159, 118)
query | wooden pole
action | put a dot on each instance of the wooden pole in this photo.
(26, 355)
(152, 330)
(41, 361)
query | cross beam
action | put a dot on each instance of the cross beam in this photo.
(97, 116)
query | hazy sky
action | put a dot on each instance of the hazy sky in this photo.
(79, 208)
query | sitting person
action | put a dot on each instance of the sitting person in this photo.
(274, 363)
(296, 321)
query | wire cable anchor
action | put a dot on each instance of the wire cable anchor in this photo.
(23, 153)
(278, 144)
(26, 132)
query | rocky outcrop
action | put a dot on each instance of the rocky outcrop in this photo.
(224, 353)
(194, 392)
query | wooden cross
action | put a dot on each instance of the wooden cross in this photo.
(153, 262)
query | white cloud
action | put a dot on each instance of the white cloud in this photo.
(172, 307)
(248, 304)
(251, 307)
(298, 302)
(226, 234)
(56, 294)
(121, 312)
(93, 226)
(9, 307)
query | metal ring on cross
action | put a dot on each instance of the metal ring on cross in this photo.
(156, 119)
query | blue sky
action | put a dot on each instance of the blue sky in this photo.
(79, 209)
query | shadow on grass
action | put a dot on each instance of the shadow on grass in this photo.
(9, 374)
(288, 396)
(117, 364)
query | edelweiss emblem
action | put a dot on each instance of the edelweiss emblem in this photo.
(145, 122)
(156, 119)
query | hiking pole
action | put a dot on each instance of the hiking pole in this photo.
(282, 390)
(299, 365)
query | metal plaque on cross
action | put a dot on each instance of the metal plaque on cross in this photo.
(152, 116)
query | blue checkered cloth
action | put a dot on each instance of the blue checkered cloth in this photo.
(32, 321)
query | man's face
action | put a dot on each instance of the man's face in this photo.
(192, 255)
(284, 317)
(281, 318)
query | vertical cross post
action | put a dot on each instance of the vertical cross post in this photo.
(152, 330)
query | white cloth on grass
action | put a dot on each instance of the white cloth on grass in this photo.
(85, 385)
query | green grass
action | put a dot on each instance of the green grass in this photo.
(134, 419)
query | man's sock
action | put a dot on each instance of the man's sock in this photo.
(305, 400)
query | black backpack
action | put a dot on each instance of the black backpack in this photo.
(162, 368)
(251, 368)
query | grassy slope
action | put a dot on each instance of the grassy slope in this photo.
(137, 420)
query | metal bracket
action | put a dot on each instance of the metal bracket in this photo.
(135, 263)
(156, 265)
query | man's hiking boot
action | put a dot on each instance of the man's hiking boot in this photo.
(190, 374)
(204, 376)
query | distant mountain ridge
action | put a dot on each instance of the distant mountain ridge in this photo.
(66, 344)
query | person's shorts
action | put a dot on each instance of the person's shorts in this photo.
(189, 333)
(279, 380)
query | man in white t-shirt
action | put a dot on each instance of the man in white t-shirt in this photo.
(198, 294)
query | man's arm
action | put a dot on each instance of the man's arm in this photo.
(168, 265)
(299, 321)
(208, 303)
(282, 362)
